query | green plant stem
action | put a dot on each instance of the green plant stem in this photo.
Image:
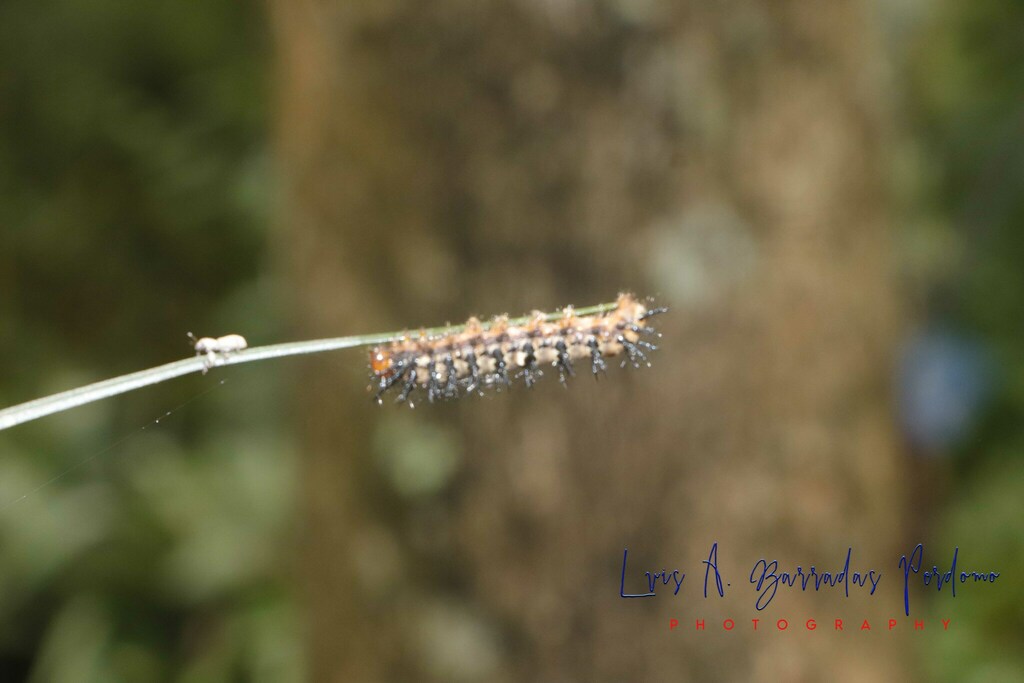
(56, 403)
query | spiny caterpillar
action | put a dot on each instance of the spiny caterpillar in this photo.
(468, 359)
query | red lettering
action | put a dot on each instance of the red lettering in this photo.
(755, 623)
(945, 624)
(782, 624)
(839, 624)
(892, 624)
(811, 624)
(918, 625)
(865, 626)
(728, 624)
(672, 623)
(700, 624)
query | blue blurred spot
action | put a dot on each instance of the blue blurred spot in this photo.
(942, 382)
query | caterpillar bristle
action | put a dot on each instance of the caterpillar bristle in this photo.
(476, 357)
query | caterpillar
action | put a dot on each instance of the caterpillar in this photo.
(463, 360)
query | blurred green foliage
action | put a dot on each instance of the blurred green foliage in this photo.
(134, 205)
(968, 71)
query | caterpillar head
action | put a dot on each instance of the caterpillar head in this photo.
(380, 362)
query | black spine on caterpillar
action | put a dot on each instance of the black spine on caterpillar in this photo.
(469, 360)
(564, 363)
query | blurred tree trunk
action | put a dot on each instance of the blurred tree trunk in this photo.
(449, 158)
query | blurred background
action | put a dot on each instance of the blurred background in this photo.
(829, 196)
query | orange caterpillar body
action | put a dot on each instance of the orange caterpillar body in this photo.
(477, 356)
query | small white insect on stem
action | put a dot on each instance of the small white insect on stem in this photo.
(213, 348)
